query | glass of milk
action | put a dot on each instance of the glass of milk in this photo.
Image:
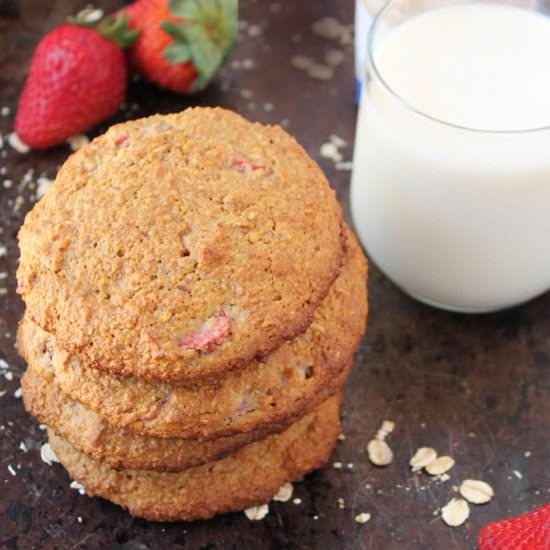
(450, 191)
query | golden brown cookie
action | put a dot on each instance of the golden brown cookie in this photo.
(249, 477)
(117, 448)
(263, 395)
(176, 247)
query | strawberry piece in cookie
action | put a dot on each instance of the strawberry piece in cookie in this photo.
(246, 167)
(209, 336)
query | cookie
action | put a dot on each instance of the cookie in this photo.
(117, 448)
(176, 247)
(249, 477)
(265, 394)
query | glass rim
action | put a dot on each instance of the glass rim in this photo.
(372, 64)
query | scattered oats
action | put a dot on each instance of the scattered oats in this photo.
(245, 93)
(297, 500)
(78, 141)
(337, 465)
(11, 470)
(517, 474)
(330, 151)
(3, 251)
(344, 166)
(320, 72)
(476, 492)
(268, 107)
(254, 31)
(5, 111)
(257, 513)
(285, 492)
(341, 437)
(248, 64)
(8, 184)
(527, 454)
(90, 15)
(17, 144)
(362, 518)
(43, 185)
(8, 376)
(328, 27)
(422, 457)
(440, 465)
(444, 477)
(79, 519)
(455, 513)
(350, 465)
(47, 455)
(23, 447)
(17, 393)
(341, 503)
(80, 488)
(301, 62)
(335, 57)
(379, 452)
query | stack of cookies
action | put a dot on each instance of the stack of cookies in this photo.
(193, 301)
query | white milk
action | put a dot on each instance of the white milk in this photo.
(456, 217)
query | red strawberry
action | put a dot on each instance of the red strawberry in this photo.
(182, 43)
(529, 531)
(77, 78)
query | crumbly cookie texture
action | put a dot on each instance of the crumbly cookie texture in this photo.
(266, 394)
(247, 478)
(176, 247)
(122, 449)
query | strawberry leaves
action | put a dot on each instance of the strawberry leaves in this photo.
(205, 36)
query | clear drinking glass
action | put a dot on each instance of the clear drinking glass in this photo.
(456, 216)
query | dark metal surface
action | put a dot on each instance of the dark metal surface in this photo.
(477, 388)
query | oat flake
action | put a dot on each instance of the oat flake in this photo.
(456, 512)
(379, 452)
(257, 513)
(422, 457)
(285, 492)
(476, 491)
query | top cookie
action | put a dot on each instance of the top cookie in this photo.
(176, 247)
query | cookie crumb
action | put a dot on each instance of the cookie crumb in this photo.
(455, 513)
(362, 518)
(257, 513)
